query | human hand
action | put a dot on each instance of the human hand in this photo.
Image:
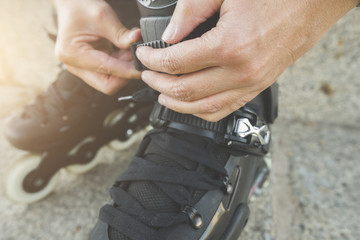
(94, 45)
(251, 45)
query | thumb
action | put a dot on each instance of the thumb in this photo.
(112, 29)
(187, 16)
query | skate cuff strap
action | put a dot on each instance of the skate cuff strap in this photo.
(238, 131)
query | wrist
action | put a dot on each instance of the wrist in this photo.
(322, 20)
(308, 20)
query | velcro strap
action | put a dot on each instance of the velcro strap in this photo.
(167, 114)
(222, 132)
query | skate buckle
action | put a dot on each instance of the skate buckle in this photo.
(194, 217)
(244, 128)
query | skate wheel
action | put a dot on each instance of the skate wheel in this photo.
(14, 187)
(118, 145)
(83, 168)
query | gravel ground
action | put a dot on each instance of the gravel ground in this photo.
(313, 192)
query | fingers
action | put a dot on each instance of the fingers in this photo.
(88, 32)
(83, 55)
(121, 36)
(184, 57)
(187, 16)
(212, 108)
(192, 86)
(108, 25)
(104, 83)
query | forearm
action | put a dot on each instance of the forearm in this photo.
(327, 12)
(300, 24)
(320, 15)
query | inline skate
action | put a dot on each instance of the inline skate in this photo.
(190, 179)
(65, 128)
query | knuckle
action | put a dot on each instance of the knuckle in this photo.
(212, 44)
(210, 106)
(180, 92)
(239, 102)
(104, 67)
(62, 54)
(169, 63)
(234, 55)
(249, 75)
(217, 46)
(105, 85)
(229, 52)
(100, 12)
(120, 33)
(237, 52)
(235, 106)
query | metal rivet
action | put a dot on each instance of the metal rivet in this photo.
(229, 189)
(197, 222)
(129, 132)
(194, 217)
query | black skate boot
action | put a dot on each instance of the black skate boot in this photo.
(191, 179)
(65, 127)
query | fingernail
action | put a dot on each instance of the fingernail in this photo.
(169, 33)
(139, 52)
(132, 34)
(162, 100)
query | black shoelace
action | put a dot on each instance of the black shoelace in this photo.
(181, 184)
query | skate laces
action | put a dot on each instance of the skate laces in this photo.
(146, 94)
(179, 170)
